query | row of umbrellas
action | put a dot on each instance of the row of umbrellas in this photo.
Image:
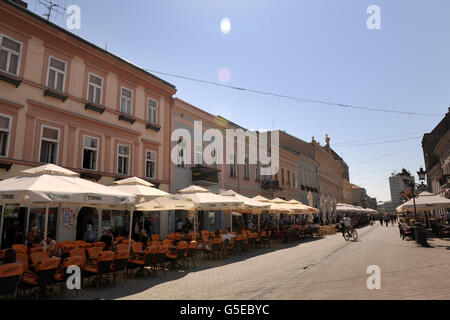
(426, 201)
(348, 208)
(51, 185)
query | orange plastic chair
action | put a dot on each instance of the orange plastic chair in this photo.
(43, 276)
(156, 243)
(10, 275)
(161, 258)
(94, 252)
(156, 237)
(102, 267)
(191, 253)
(20, 248)
(122, 247)
(100, 244)
(80, 252)
(145, 262)
(120, 264)
(61, 276)
(37, 257)
(36, 249)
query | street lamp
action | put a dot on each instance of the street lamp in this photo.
(406, 177)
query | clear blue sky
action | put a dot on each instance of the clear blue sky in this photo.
(318, 49)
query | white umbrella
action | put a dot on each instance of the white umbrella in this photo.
(166, 203)
(250, 205)
(50, 184)
(205, 200)
(138, 187)
(425, 202)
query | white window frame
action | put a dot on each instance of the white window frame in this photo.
(150, 108)
(9, 54)
(8, 132)
(149, 160)
(258, 171)
(49, 67)
(233, 167)
(131, 100)
(96, 86)
(121, 155)
(92, 149)
(57, 142)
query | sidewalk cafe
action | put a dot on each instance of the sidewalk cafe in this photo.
(423, 216)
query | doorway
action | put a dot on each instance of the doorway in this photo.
(87, 224)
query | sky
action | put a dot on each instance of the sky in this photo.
(312, 49)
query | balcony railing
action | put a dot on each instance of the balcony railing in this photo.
(270, 184)
(205, 175)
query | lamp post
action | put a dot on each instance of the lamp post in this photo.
(406, 177)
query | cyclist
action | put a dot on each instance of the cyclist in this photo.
(347, 224)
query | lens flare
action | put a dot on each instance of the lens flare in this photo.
(224, 75)
(225, 25)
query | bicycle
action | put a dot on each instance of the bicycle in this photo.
(349, 234)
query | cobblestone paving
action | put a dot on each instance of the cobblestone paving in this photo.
(327, 268)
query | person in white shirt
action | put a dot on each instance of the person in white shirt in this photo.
(347, 224)
(227, 236)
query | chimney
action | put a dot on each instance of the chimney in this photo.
(21, 3)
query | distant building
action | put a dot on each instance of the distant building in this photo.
(360, 198)
(397, 187)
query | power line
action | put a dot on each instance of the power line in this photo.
(377, 143)
(380, 138)
(385, 156)
(292, 97)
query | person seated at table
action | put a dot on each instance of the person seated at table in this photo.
(217, 234)
(50, 244)
(227, 237)
(143, 238)
(108, 239)
(10, 257)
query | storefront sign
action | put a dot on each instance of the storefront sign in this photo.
(6, 196)
(93, 198)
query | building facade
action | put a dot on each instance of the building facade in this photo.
(436, 149)
(68, 102)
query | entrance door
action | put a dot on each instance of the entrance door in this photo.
(87, 225)
(14, 224)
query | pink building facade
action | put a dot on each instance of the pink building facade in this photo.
(66, 101)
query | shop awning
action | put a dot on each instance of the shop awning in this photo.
(426, 201)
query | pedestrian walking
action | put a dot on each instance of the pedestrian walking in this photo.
(387, 222)
(381, 220)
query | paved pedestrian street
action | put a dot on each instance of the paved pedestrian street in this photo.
(327, 268)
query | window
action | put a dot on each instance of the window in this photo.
(5, 129)
(94, 90)
(49, 145)
(126, 97)
(282, 177)
(90, 153)
(123, 165)
(246, 169)
(233, 166)
(56, 74)
(257, 172)
(294, 181)
(9, 55)
(150, 165)
(152, 111)
(288, 178)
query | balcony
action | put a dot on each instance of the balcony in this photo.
(55, 94)
(153, 126)
(10, 79)
(127, 118)
(203, 175)
(94, 107)
(270, 184)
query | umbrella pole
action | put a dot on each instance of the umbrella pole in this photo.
(46, 228)
(1, 224)
(259, 222)
(28, 223)
(131, 229)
